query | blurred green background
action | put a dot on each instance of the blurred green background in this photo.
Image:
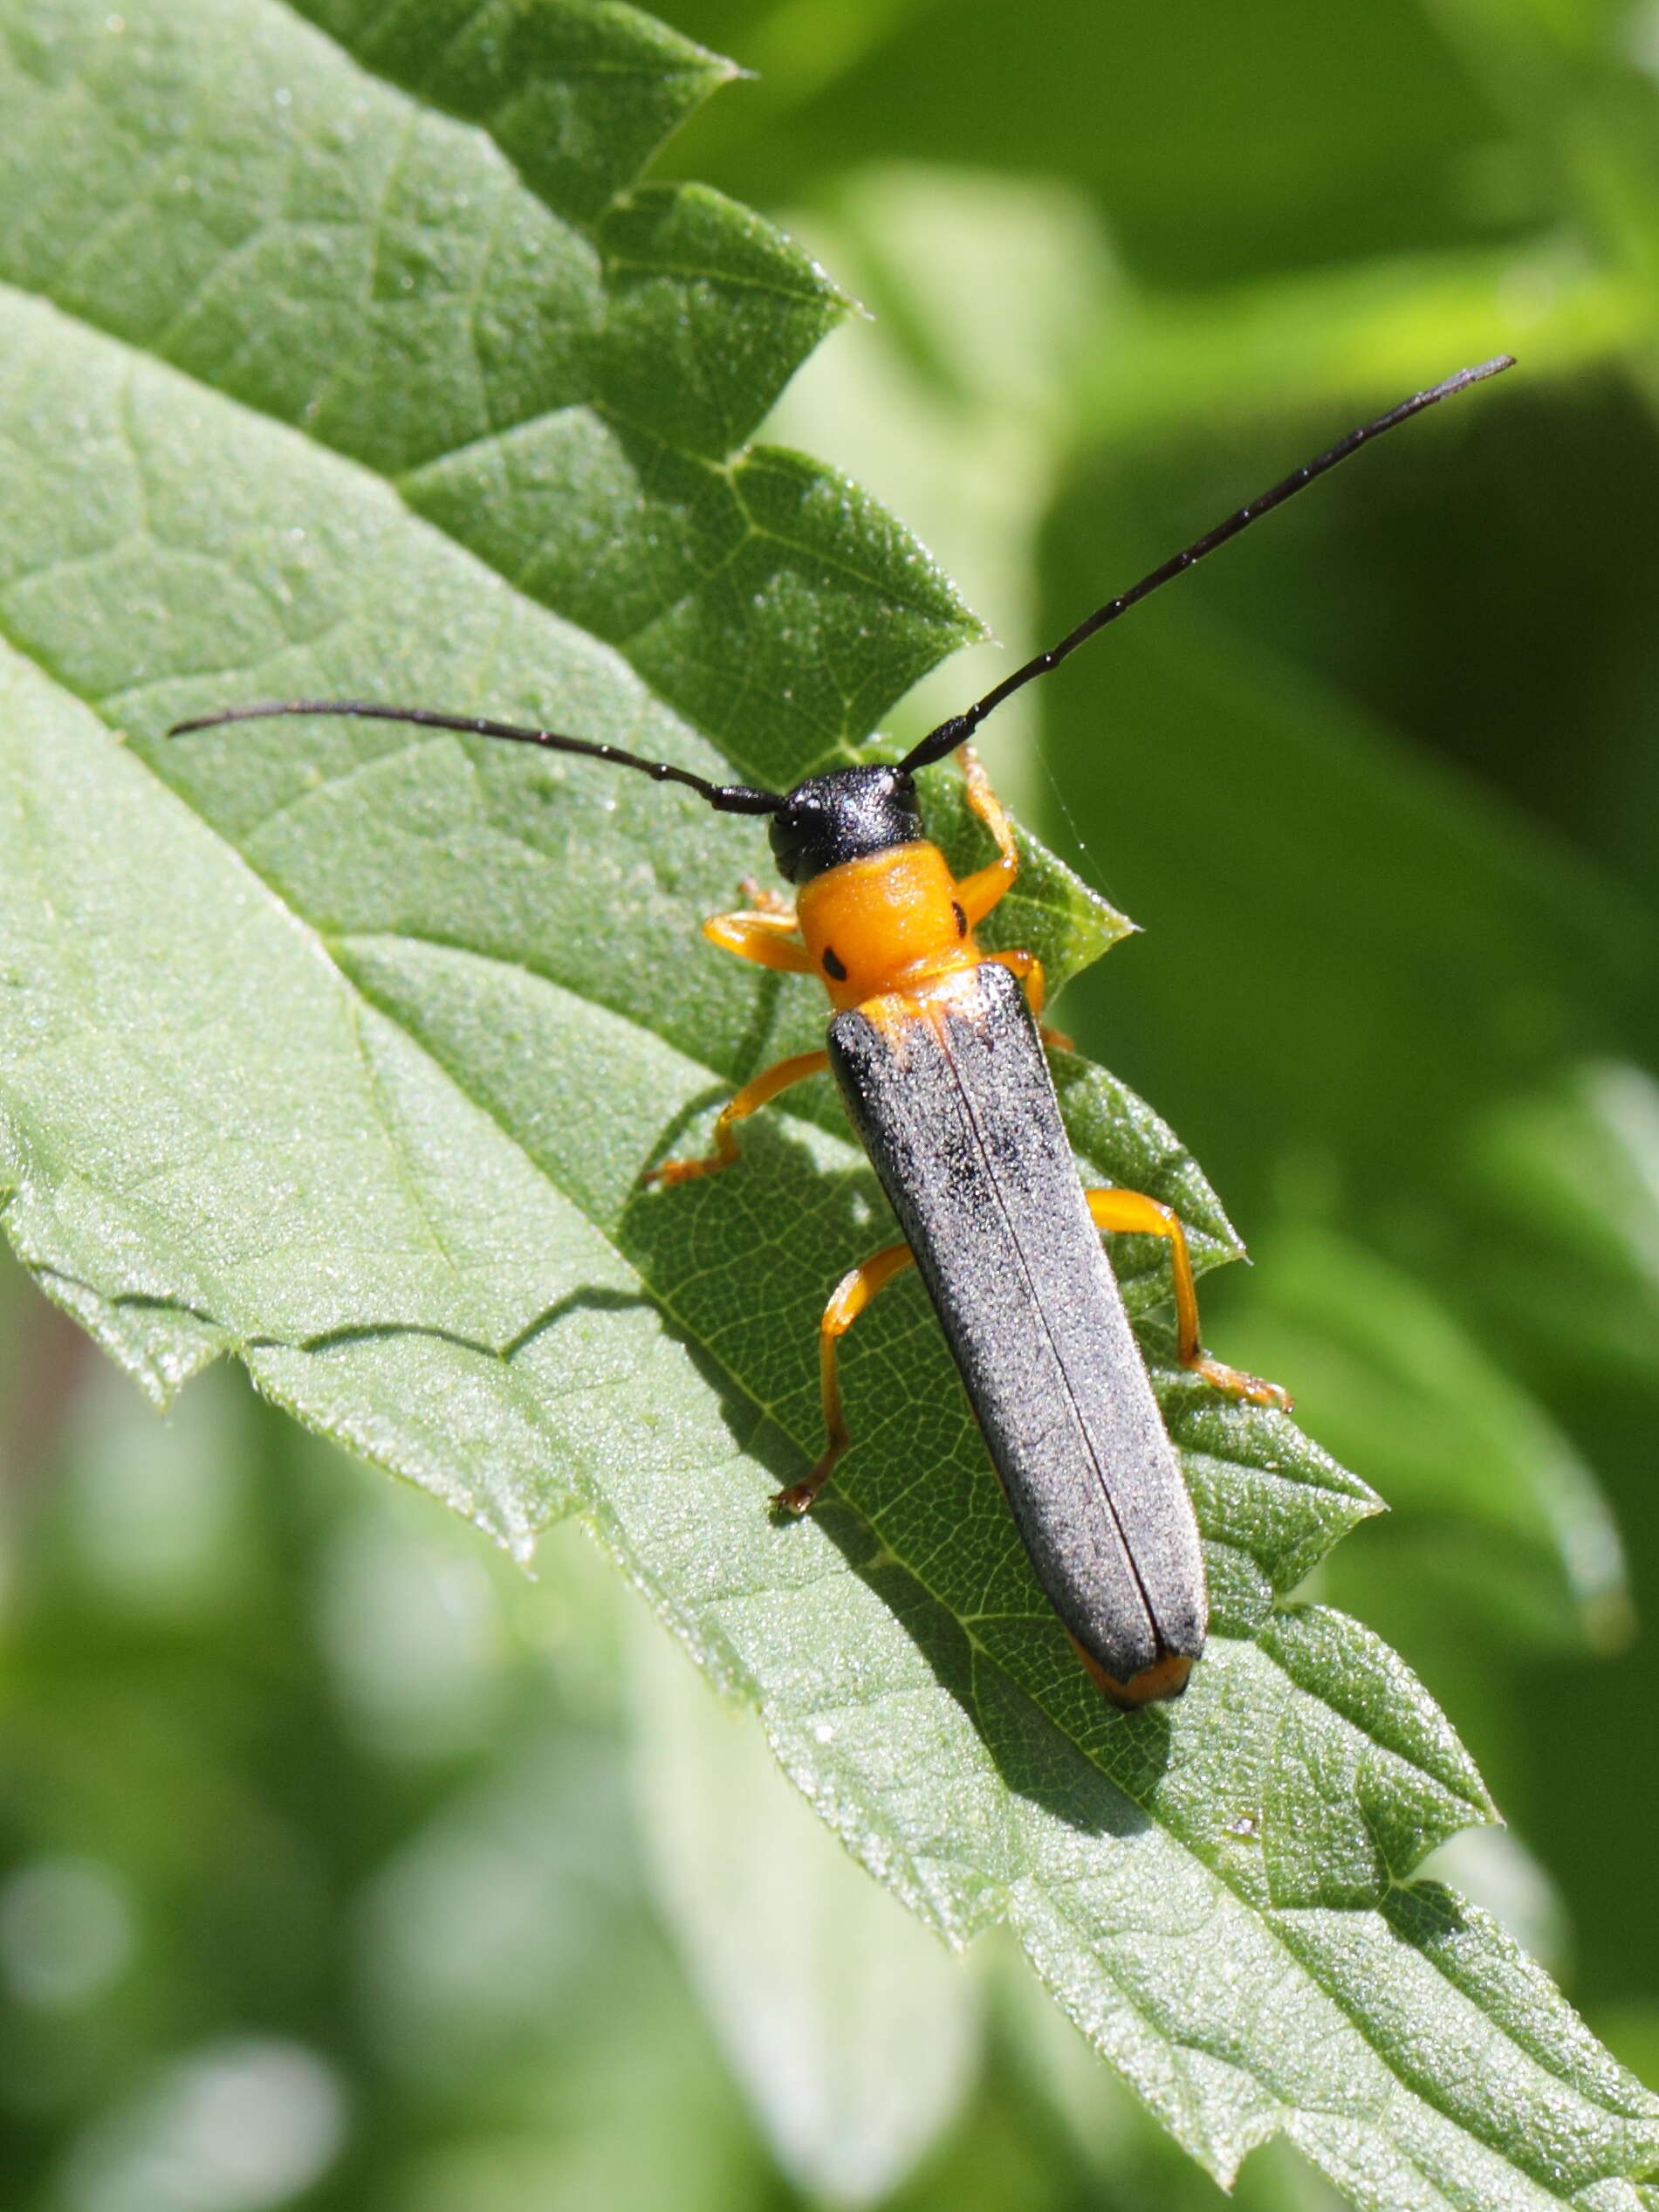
(341, 1865)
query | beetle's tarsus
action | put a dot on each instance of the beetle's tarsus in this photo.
(800, 1497)
(1236, 1383)
(672, 1171)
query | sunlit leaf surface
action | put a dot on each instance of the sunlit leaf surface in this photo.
(345, 357)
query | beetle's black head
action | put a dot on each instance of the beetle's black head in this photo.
(845, 815)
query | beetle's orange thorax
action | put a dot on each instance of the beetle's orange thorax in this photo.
(885, 922)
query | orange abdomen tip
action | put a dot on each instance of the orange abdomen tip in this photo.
(1165, 1678)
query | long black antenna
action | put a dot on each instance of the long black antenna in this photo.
(960, 727)
(724, 798)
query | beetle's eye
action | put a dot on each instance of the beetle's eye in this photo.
(832, 966)
(962, 919)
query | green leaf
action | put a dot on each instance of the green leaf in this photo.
(1372, 878)
(1565, 1182)
(1502, 1512)
(340, 1048)
(855, 2035)
(1279, 163)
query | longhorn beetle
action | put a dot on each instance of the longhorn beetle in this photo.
(935, 1047)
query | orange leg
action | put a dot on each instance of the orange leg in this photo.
(979, 893)
(1029, 969)
(1146, 1217)
(764, 1088)
(766, 939)
(847, 1301)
